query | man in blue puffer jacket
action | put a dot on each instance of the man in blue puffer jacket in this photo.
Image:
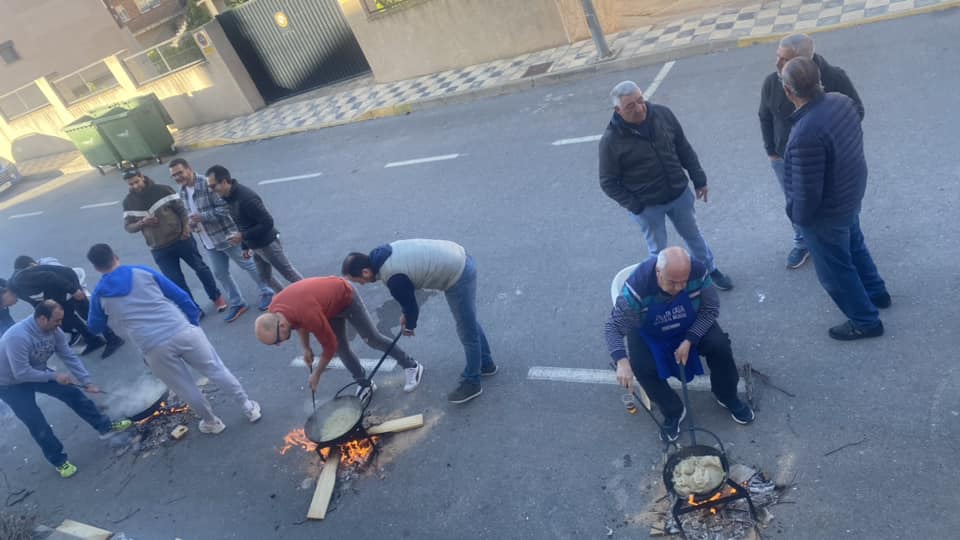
(825, 180)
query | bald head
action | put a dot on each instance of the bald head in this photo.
(673, 270)
(268, 329)
(801, 78)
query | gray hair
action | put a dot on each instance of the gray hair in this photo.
(800, 44)
(623, 89)
(664, 257)
(802, 77)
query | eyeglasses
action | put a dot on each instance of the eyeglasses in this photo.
(277, 341)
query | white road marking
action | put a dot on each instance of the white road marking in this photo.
(647, 94)
(289, 178)
(99, 205)
(608, 376)
(444, 157)
(28, 214)
(368, 363)
(652, 89)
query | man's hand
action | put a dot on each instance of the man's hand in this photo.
(246, 254)
(149, 221)
(314, 380)
(79, 295)
(702, 193)
(682, 352)
(774, 157)
(235, 239)
(186, 233)
(65, 379)
(194, 219)
(624, 374)
(403, 326)
(92, 389)
(308, 357)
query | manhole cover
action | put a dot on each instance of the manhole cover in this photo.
(537, 69)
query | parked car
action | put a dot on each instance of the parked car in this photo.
(9, 175)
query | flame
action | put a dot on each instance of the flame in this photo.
(692, 501)
(164, 410)
(297, 439)
(351, 453)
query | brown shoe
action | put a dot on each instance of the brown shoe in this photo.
(221, 304)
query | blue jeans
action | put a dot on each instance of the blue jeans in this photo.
(462, 299)
(778, 169)
(168, 260)
(845, 268)
(22, 399)
(220, 260)
(652, 221)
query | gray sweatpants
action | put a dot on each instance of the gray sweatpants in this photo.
(272, 256)
(356, 313)
(170, 361)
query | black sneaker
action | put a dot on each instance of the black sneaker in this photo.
(492, 369)
(671, 427)
(75, 339)
(848, 332)
(112, 345)
(465, 392)
(739, 411)
(881, 301)
(93, 344)
(797, 257)
(720, 280)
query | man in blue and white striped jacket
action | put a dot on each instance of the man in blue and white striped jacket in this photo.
(668, 308)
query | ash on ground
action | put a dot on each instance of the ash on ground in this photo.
(153, 434)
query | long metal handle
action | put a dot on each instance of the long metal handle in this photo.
(686, 403)
(313, 393)
(384, 357)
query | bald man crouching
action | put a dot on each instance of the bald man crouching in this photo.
(668, 308)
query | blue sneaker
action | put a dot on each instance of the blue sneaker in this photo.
(265, 300)
(670, 431)
(235, 313)
(739, 411)
(797, 257)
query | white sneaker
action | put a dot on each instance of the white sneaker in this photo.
(252, 410)
(364, 391)
(212, 428)
(413, 377)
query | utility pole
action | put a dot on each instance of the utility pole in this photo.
(603, 52)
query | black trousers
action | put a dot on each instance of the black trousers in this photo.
(714, 346)
(168, 260)
(75, 313)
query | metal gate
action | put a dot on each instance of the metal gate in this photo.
(291, 46)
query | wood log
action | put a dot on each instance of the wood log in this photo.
(325, 484)
(397, 425)
(82, 531)
(179, 431)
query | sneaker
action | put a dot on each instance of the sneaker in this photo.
(492, 369)
(364, 391)
(848, 332)
(112, 345)
(264, 303)
(797, 257)
(212, 428)
(235, 313)
(75, 339)
(252, 410)
(881, 301)
(221, 304)
(720, 280)
(739, 411)
(670, 431)
(67, 469)
(93, 344)
(465, 392)
(413, 377)
(118, 426)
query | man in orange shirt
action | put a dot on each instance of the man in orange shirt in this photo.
(322, 306)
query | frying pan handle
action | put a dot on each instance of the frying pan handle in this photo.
(710, 433)
(384, 357)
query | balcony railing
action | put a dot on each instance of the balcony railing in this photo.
(169, 56)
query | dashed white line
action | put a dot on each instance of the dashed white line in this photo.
(289, 178)
(28, 214)
(606, 376)
(576, 140)
(99, 205)
(418, 161)
(652, 89)
(368, 363)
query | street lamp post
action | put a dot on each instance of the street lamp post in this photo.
(596, 31)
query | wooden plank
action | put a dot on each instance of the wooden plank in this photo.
(324, 490)
(179, 431)
(83, 531)
(397, 425)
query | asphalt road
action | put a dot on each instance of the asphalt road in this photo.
(534, 459)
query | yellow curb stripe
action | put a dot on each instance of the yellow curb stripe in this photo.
(756, 40)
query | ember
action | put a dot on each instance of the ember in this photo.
(692, 501)
(351, 453)
(164, 410)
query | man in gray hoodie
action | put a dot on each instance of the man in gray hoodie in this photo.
(163, 321)
(24, 351)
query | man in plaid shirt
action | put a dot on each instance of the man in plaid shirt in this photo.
(211, 221)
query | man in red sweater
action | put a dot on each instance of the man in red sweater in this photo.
(322, 306)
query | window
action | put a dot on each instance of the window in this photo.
(163, 58)
(84, 83)
(22, 101)
(8, 53)
(146, 5)
(121, 13)
(376, 6)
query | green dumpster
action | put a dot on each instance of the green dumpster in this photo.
(151, 102)
(137, 133)
(90, 141)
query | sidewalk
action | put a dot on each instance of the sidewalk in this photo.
(717, 30)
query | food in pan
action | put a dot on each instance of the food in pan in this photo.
(697, 474)
(339, 422)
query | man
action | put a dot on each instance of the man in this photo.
(211, 221)
(164, 323)
(158, 213)
(407, 265)
(668, 308)
(775, 111)
(323, 306)
(24, 352)
(825, 178)
(257, 234)
(643, 154)
(6, 320)
(38, 282)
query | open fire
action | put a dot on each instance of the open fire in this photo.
(164, 410)
(351, 453)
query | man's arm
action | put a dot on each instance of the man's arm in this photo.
(845, 87)
(96, 318)
(53, 285)
(805, 171)
(708, 313)
(766, 120)
(622, 320)
(70, 358)
(216, 209)
(610, 179)
(688, 158)
(404, 292)
(264, 221)
(178, 296)
(18, 354)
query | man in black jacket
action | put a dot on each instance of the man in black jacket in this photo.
(775, 111)
(257, 233)
(644, 162)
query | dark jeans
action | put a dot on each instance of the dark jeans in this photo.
(168, 259)
(22, 399)
(714, 346)
(74, 319)
(845, 268)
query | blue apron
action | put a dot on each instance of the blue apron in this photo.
(664, 329)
